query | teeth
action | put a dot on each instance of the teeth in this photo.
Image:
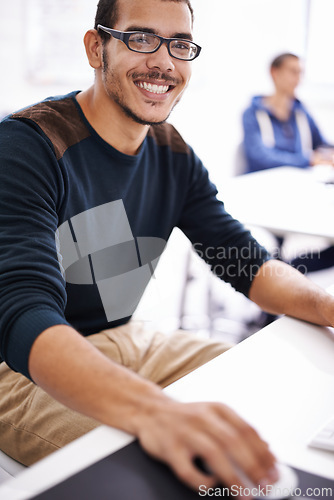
(155, 89)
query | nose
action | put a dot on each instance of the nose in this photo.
(161, 59)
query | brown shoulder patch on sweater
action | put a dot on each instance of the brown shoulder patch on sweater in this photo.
(59, 120)
(167, 135)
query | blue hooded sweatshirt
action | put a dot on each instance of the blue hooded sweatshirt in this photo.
(270, 142)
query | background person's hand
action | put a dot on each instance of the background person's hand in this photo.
(322, 156)
(179, 433)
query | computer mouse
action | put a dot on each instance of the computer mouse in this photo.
(282, 489)
(284, 486)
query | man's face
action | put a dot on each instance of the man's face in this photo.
(288, 76)
(147, 86)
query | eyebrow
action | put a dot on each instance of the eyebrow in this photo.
(145, 29)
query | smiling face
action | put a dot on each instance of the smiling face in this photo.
(146, 87)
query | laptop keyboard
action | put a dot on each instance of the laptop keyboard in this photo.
(324, 438)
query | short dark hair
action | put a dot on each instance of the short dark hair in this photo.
(107, 14)
(280, 59)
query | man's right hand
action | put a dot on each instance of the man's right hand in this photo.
(178, 433)
(75, 373)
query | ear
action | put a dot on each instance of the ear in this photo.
(273, 73)
(93, 46)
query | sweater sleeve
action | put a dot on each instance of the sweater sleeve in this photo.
(261, 157)
(222, 241)
(32, 290)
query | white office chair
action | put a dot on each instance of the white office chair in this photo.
(10, 466)
(240, 161)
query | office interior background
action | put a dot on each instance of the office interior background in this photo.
(42, 54)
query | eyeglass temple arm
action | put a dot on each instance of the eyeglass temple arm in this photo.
(114, 33)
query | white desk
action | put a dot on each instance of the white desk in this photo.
(281, 380)
(284, 200)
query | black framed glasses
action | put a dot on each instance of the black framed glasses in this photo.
(148, 43)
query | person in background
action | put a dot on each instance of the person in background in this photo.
(278, 130)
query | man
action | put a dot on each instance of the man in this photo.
(95, 169)
(278, 130)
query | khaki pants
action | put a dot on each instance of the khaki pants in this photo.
(33, 425)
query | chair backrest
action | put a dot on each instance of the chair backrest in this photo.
(240, 162)
(9, 465)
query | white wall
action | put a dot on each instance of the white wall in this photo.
(238, 37)
(42, 52)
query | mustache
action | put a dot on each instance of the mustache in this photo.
(156, 75)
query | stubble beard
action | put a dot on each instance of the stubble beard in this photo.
(114, 91)
(130, 114)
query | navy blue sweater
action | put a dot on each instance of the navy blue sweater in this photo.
(82, 225)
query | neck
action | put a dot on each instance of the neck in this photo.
(280, 103)
(111, 123)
